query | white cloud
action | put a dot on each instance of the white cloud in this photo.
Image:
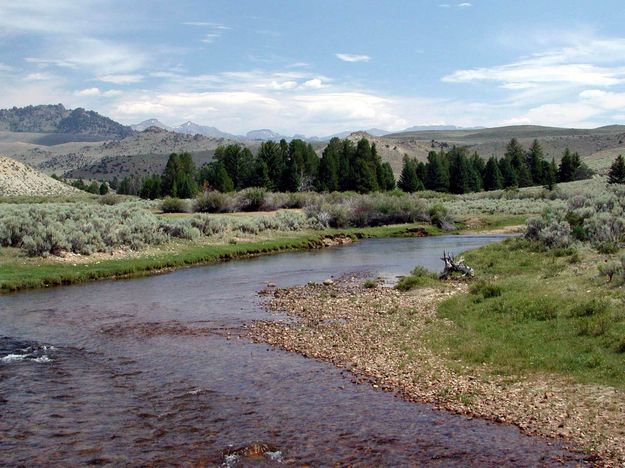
(88, 92)
(315, 83)
(593, 62)
(120, 79)
(353, 57)
(39, 76)
(465, 5)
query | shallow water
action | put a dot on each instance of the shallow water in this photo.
(150, 371)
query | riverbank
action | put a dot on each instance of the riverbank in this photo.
(21, 272)
(448, 346)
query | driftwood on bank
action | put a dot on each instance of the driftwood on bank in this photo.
(455, 266)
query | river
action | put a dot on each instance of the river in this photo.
(151, 371)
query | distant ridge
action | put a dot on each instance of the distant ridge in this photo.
(57, 119)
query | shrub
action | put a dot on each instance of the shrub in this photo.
(485, 289)
(419, 277)
(370, 284)
(211, 202)
(440, 217)
(610, 269)
(251, 199)
(174, 205)
(589, 308)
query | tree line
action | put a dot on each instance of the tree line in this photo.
(349, 166)
(457, 171)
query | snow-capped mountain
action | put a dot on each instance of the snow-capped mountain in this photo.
(150, 123)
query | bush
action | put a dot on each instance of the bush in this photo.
(370, 284)
(440, 217)
(610, 269)
(174, 205)
(419, 277)
(485, 290)
(211, 202)
(251, 199)
(589, 308)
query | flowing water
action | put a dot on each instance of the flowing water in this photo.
(149, 372)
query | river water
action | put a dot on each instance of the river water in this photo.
(150, 371)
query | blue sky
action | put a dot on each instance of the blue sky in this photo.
(322, 66)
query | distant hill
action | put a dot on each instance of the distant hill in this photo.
(17, 179)
(58, 119)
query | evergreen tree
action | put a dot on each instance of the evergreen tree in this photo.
(459, 172)
(386, 179)
(550, 174)
(104, 189)
(508, 173)
(535, 160)
(437, 173)
(493, 179)
(617, 171)
(566, 171)
(151, 187)
(365, 154)
(275, 156)
(261, 174)
(230, 156)
(515, 155)
(409, 180)
(328, 178)
(364, 179)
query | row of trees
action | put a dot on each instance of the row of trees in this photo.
(346, 166)
(458, 172)
(282, 167)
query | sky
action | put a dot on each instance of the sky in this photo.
(317, 67)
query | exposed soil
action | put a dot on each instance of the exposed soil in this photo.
(378, 334)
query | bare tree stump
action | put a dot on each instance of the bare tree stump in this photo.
(455, 266)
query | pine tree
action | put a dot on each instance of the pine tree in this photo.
(437, 177)
(566, 171)
(508, 173)
(328, 178)
(260, 178)
(364, 178)
(409, 180)
(459, 172)
(550, 174)
(535, 161)
(492, 175)
(386, 180)
(617, 171)
(515, 155)
(104, 189)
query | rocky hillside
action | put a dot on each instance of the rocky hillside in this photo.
(18, 179)
(58, 119)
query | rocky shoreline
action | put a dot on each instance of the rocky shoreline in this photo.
(380, 335)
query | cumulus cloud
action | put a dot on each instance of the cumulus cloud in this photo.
(353, 57)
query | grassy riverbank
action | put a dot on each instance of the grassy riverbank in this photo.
(21, 272)
(536, 341)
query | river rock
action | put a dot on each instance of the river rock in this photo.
(328, 282)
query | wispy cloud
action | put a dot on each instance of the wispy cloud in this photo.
(581, 64)
(120, 79)
(353, 57)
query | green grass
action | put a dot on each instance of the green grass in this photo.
(532, 311)
(19, 272)
(418, 278)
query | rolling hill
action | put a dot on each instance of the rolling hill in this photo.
(17, 179)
